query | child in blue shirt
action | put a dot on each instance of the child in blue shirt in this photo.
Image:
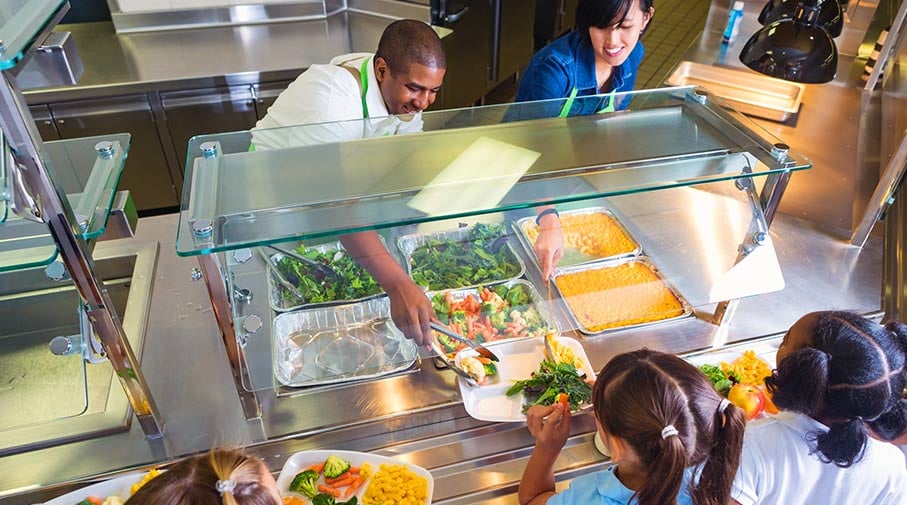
(672, 438)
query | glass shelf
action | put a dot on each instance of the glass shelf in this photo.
(89, 179)
(20, 23)
(467, 162)
(692, 235)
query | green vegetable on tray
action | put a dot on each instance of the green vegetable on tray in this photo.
(326, 499)
(354, 282)
(482, 257)
(304, 483)
(720, 380)
(552, 379)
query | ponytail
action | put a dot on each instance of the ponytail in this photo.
(800, 381)
(892, 424)
(843, 444)
(668, 464)
(714, 486)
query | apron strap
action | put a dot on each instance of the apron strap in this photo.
(362, 77)
(565, 110)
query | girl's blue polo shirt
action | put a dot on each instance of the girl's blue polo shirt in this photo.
(569, 62)
(604, 488)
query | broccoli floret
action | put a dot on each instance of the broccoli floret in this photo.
(334, 466)
(323, 499)
(351, 501)
(304, 483)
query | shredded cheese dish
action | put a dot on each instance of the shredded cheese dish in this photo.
(595, 234)
(623, 295)
(749, 368)
(396, 485)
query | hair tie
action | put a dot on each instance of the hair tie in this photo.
(723, 405)
(225, 486)
(668, 431)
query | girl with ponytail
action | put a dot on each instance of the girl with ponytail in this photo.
(221, 477)
(673, 439)
(839, 383)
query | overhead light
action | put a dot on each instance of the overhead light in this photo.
(795, 49)
(830, 16)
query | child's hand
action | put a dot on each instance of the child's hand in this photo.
(549, 425)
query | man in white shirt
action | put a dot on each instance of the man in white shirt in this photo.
(403, 77)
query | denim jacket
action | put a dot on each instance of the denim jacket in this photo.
(569, 62)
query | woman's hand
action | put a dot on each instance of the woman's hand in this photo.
(549, 247)
(411, 310)
(550, 426)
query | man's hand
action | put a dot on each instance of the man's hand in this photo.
(549, 247)
(411, 310)
(550, 426)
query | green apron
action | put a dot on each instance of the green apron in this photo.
(363, 83)
(565, 110)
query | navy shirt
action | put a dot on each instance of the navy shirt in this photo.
(569, 62)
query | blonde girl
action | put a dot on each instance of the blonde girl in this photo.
(221, 477)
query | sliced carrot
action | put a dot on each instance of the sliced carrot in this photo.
(94, 499)
(354, 470)
(342, 476)
(346, 481)
(318, 467)
(329, 490)
(483, 360)
(354, 487)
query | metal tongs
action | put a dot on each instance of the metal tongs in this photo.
(324, 269)
(280, 278)
(479, 348)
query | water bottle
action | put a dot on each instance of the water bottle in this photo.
(733, 23)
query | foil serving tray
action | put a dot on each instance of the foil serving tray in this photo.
(686, 308)
(331, 345)
(573, 257)
(409, 243)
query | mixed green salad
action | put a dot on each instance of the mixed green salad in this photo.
(482, 257)
(353, 282)
(549, 382)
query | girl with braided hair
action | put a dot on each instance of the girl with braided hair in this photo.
(839, 384)
(673, 439)
(220, 477)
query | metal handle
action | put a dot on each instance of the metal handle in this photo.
(456, 16)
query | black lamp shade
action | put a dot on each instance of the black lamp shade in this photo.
(792, 51)
(830, 16)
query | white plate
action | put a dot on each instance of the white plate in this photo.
(766, 351)
(118, 486)
(302, 460)
(489, 402)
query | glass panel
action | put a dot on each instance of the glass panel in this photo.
(632, 261)
(4, 190)
(41, 385)
(20, 22)
(89, 177)
(466, 162)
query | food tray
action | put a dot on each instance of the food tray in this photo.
(303, 460)
(765, 348)
(748, 92)
(329, 345)
(573, 257)
(535, 299)
(686, 308)
(409, 243)
(274, 286)
(519, 359)
(118, 486)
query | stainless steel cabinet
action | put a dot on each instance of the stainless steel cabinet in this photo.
(512, 40)
(209, 110)
(147, 175)
(468, 51)
(45, 122)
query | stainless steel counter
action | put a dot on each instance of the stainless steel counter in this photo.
(417, 416)
(826, 130)
(183, 59)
